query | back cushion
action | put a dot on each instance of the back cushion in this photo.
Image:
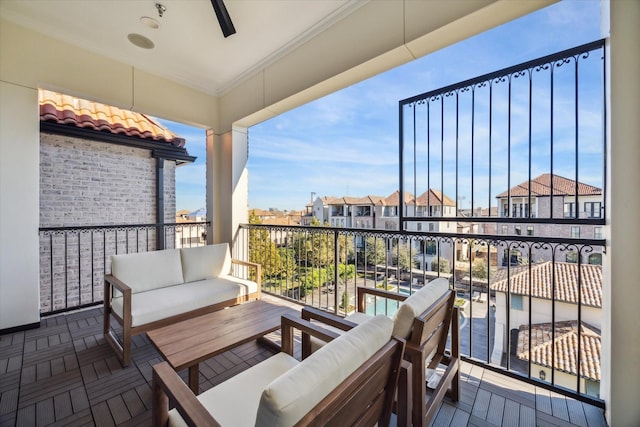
(145, 271)
(416, 304)
(205, 262)
(289, 397)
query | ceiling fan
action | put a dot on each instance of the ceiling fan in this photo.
(223, 18)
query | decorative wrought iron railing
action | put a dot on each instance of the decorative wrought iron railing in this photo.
(323, 266)
(74, 260)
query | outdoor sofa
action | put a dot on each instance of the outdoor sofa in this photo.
(148, 290)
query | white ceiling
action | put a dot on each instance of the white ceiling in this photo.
(189, 45)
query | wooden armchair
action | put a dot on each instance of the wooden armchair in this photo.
(424, 319)
(351, 380)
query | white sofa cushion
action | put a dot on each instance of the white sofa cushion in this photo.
(161, 303)
(416, 304)
(145, 271)
(205, 262)
(290, 396)
(235, 401)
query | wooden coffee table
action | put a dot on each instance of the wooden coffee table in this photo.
(185, 344)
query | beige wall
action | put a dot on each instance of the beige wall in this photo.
(19, 171)
(621, 335)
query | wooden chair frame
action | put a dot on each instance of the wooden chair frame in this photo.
(429, 332)
(364, 398)
(123, 349)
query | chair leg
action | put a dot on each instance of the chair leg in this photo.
(418, 389)
(403, 398)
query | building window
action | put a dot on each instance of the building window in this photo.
(570, 210)
(431, 226)
(592, 209)
(505, 210)
(505, 229)
(516, 302)
(431, 248)
(575, 232)
(572, 257)
(597, 233)
(518, 230)
(595, 259)
(419, 226)
(529, 230)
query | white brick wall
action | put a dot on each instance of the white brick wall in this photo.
(84, 182)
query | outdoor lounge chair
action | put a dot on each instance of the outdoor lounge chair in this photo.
(351, 380)
(424, 319)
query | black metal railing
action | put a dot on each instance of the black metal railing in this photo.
(323, 266)
(74, 260)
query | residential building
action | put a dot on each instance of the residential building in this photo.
(541, 294)
(550, 196)
(50, 45)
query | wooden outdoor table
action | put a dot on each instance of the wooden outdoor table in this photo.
(185, 344)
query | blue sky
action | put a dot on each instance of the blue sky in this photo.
(346, 144)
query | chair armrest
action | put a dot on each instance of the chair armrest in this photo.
(362, 291)
(310, 313)
(250, 264)
(111, 280)
(290, 322)
(167, 384)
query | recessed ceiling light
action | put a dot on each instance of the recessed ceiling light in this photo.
(140, 41)
(150, 22)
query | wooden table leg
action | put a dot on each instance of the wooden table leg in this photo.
(194, 372)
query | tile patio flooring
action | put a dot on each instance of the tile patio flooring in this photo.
(63, 373)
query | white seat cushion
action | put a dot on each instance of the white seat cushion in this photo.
(235, 401)
(416, 304)
(205, 262)
(144, 271)
(147, 307)
(289, 397)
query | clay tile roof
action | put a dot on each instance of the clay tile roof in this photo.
(394, 198)
(433, 197)
(541, 186)
(72, 111)
(566, 279)
(564, 343)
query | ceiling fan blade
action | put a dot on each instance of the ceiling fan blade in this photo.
(223, 18)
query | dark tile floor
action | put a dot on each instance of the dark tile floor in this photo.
(63, 373)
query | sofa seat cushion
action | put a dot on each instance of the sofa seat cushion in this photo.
(235, 401)
(145, 271)
(158, 304)
(290, 396)
(205, 262)
(416, 304)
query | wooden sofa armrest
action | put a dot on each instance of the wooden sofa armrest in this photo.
(363, 291)
(250, 264)
(291, 322)
(330, 319)
(111, 280)
(168, 386)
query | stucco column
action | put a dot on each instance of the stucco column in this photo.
(20, 206)
(621, 331)
(227, 183)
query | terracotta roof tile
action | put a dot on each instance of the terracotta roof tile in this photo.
(541, 186)
(72, 111)
(432, 198)
(566, 279)
(394, 198)
(564, 346)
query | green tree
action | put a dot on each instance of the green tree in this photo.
(401, 257)
(479, 269)
(262, 250)
(442, 266)
(374, 251)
